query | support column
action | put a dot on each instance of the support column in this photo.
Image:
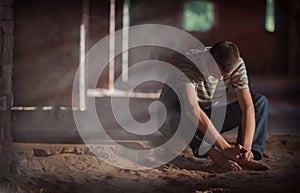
(6, 71)
(111, 67)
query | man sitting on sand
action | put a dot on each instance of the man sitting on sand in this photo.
(249, 112)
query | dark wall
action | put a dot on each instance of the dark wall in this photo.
(243, 23)
(238, 21)
(294, 37)
(46, 51)
(47, 48)
(98, 29)
(47, 40)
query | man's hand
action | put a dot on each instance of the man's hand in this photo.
(235, 153)
(248, 155)
(220, 160)
(244, 158)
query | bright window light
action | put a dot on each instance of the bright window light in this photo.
(270, 16)
(198, 15)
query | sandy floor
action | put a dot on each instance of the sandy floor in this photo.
(72, 169)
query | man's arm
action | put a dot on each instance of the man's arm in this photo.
(248, 120)
(222, 156)
(200, 119)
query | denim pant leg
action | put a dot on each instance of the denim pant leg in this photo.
(233, 118)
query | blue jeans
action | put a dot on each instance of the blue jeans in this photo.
(233, 118)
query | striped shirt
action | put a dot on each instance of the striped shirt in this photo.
(209, 89)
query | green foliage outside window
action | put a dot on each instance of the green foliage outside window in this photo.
(198, 15)
(270, 16)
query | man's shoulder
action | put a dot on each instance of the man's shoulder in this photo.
(240, 67)
(241, 61)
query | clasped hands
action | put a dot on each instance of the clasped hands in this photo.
(243, 157)
(238, 154)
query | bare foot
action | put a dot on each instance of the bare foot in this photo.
(255, 165)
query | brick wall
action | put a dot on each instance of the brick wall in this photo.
(6, 64)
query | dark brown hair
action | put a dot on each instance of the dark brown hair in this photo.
(226, 54)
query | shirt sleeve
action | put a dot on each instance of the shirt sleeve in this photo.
(239, 78)
(186, 75)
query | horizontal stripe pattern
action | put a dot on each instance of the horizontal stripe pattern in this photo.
(209, 88)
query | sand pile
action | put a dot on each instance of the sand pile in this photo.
(58, 168)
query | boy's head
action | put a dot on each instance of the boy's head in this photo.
(226, 55)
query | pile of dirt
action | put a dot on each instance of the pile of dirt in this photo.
(57, 168)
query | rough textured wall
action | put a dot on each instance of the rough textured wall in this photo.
(47, 36)
(6, 65)
(46, 51)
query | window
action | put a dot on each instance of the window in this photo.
(270, 16)
(198, 15)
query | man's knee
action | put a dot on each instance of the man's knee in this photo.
(260, 100)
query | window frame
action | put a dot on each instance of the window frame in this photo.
(213, 12)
